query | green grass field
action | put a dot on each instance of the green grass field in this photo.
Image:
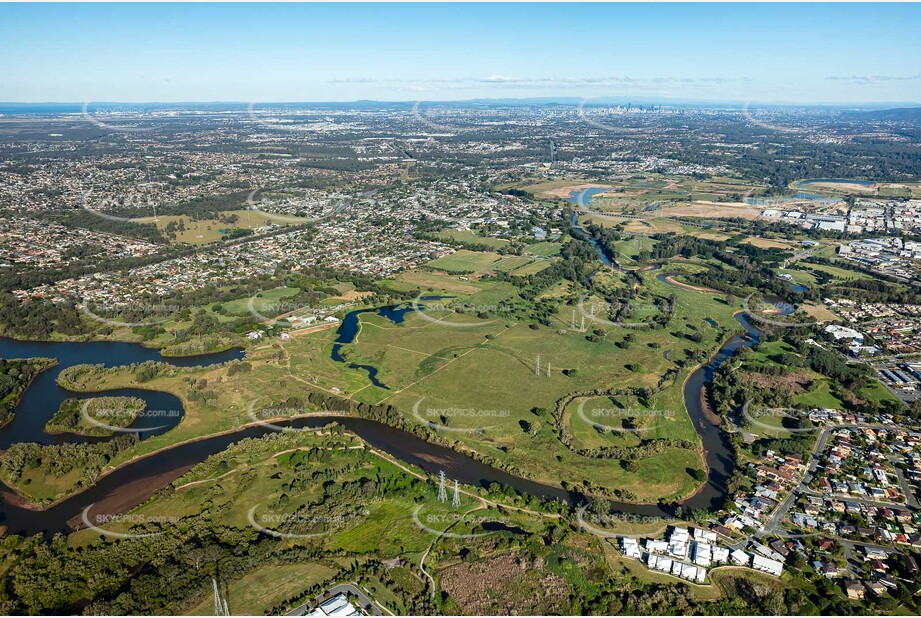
(544, 249)
(258, 591)
(465, 261)
(459, 361)
(263, 301)
(840, 274)
(197, 232)
(819, 396)
(469, 236)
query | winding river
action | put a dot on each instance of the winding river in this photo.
(135, 482)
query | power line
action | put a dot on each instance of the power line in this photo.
(442, 492)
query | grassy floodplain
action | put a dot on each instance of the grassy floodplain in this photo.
(443, 360)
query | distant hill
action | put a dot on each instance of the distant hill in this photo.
(899, 113)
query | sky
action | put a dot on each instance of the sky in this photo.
(805, 53)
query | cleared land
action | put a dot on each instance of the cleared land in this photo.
(197, 232)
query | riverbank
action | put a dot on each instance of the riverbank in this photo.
(670, 279)
(141, 474)
(50, 364)
(163, 349)
(26, 502)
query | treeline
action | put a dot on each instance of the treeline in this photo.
(82, 218)
(15, 376)
(578, 258)
(58, 460)
(748, 266)
(40, 318)
(112, 411)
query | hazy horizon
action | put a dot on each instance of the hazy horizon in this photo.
(638, 101)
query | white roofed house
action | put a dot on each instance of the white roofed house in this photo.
(703, 554)
(630, 547)
(678, 548)
(740, 558)
(766, 565)
(656, 547)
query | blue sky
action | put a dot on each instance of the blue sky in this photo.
(340, 52)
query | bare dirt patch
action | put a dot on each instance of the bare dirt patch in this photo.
(820, 312)
(564, 192)
(711, 209)
(507, 584)
(795, 383)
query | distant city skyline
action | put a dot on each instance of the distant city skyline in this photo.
(791, 53)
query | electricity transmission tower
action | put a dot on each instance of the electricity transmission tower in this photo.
(442, 492)
(456, 501)
(220, 605)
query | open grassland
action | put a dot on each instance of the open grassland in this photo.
(837, 273)
(259, 591)
(802, 277)
(432, 281)
(842, 187)
(544, 249)
(269, 301)
(820, 312)
(489, 367)
(465, 261)
(471, 237)
(530, 268)
(559, 188)
(645, 193)
(197, 232)
(633, 226)
(443, 359)
(771, 243)
(477, 262)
